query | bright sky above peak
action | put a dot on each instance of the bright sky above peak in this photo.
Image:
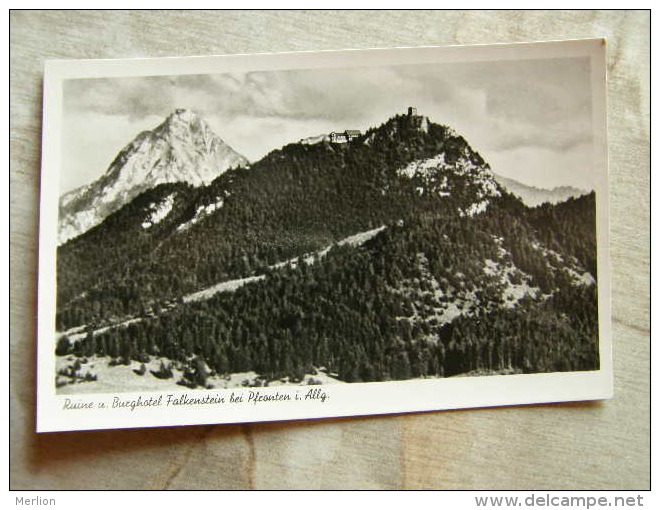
(530, 119)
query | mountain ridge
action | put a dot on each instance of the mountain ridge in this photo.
(534, 196)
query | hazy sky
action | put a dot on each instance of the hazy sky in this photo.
(531, 120)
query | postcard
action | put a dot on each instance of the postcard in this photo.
(276, 237)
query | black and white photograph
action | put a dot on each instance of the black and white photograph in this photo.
(280, 231)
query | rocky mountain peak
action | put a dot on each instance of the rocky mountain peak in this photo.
(189, 127)
(182, 118)
(183, 148)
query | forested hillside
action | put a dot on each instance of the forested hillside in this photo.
(462, 279)
(295, 200)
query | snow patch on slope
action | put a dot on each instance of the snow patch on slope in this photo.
(438, 177)
(423, 167)
(515, 283)
(579, 276)
(159, 212)
(438, 302)
(474, 209)
(123, 378)
(202, 212)
(228, 286)
(433, 301)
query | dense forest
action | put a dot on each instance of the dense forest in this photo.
(437, 293)
(295, 200)
(348, 312)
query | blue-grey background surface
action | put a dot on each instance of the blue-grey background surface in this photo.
(565, 446)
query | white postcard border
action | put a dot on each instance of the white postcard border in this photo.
(59, 413)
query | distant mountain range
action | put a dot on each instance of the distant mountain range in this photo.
(397, 254)
(181, 149)
(533, 196)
